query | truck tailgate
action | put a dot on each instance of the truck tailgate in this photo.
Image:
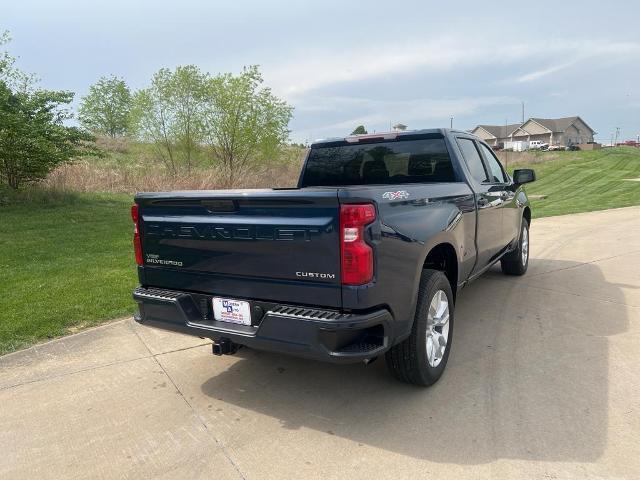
(260, 244)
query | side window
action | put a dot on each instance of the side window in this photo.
(497, 174)
(473, 160)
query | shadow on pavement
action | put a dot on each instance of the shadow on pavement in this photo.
(527, 379)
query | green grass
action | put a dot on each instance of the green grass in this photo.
(584, 181)
(66, 262)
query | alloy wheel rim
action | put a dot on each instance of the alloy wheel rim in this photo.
(525, 246)
(437, 328)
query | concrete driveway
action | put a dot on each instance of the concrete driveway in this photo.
(543, 382)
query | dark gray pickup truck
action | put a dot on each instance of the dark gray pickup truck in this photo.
(365, 257)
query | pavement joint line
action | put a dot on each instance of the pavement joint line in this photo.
(499, 351)
(602, 211)
(583, 232)
(96, 367)
(35, 347)
(555, 290)
(580, 264)
(191, 407)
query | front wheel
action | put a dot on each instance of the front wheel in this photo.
(517, 262)
(421, 358)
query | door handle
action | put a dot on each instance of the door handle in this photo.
(507, 195)
(483, 202)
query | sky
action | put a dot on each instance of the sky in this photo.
(342, 64)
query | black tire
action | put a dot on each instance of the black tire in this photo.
(408, 361)
(514, 263)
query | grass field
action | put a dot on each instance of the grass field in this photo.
(584, 181)
(67, 261)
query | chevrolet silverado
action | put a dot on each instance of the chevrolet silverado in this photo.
(365, 257)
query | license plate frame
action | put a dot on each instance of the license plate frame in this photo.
(231, 310)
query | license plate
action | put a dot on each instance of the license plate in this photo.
(232, 311)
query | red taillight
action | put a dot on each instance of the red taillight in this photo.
(357, 255)
(137, 242)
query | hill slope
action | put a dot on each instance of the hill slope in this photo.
(584, 181)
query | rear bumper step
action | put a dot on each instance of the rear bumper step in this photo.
(328, 335)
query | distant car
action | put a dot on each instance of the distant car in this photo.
(555, 148)
(538, 145)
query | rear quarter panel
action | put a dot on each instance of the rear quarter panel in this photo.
(412, 220)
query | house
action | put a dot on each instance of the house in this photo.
(554, 131)
(494, 134)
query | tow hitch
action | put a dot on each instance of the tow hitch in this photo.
(224, 347)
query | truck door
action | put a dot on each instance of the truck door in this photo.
(502, 183)
(489, 204)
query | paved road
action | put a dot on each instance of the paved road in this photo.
(543, 382)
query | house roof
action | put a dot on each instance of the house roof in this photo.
(499, 131)
(519, 127)
(559, 124)
(552, 124)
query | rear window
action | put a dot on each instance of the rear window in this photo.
(394, 162)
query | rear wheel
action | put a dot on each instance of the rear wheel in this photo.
(421, 358)
(517, 262)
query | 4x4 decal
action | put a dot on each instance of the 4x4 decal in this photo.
(399, 195)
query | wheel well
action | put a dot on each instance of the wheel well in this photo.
(443, 257)
(527, 214)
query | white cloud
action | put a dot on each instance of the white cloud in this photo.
(320, 69)
(582, 52)
(377, 114)
(315, 70)
(309, 81)
(543, 72)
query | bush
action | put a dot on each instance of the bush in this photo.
(33, 137)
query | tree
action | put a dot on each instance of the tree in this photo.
(243, 121)
(9, 74)
(105, 110)
(6, 60)
(169, 114)
(33, 137)
(360, 130)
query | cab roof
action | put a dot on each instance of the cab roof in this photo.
(382, 136)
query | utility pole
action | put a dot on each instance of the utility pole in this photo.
(522, 112)
(617, 134)
(451, 122)
(506, 152)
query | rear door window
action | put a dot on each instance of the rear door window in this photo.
(393, 162)
(497, 173)
(473, 159)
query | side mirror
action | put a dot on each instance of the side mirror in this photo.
(525, 175)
